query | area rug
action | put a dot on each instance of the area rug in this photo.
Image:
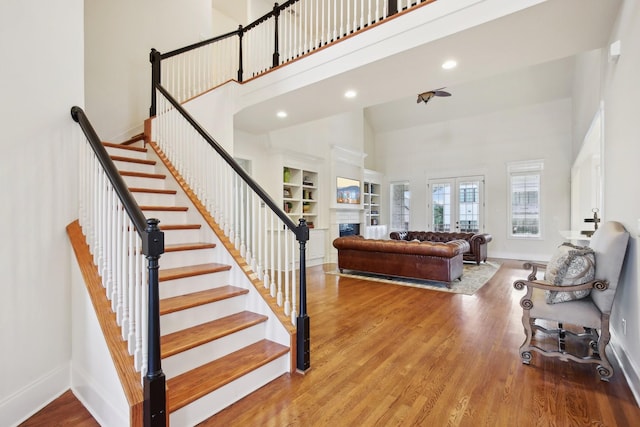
(473, 278)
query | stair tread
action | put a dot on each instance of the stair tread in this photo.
(133, 160)
(134, 139)
(124, 147)
(191, 270)
(187, 339)
(201, 381)
(164, 208)
(152, 190)
(176, 247)
(167, 227)
(195, 299)
(143, 174)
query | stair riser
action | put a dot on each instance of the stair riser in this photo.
(217, 400)
(154, 199)
(181, 236)
(195, 357)
(126, 153)
(182, 258)
(170, 323)
(136, 181)
(187, 285)
(134, 167)
(167, 217)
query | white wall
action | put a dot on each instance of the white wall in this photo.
(483, 145)
(119, 35)
(622, 151)
(314, 141)
(41, 78)
(95, 381)
(214, 112)
(587, 93)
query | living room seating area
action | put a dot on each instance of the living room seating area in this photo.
(477, 251)
(437, 261)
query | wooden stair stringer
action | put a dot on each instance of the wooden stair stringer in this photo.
(226, 242)
(122, 360)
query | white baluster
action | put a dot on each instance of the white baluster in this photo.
(132, 252)
(243, 229)
(287, 271)
(342, 30)
(119, 211)
(273, 258)
(139, 284)
(294, 286)
(125, 274)
(281, 270)
(113, 245)
(144, 317)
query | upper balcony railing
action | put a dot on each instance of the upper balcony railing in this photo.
(288, 32)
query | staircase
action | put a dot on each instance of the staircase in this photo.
(214, 350)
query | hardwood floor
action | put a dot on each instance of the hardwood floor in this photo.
(66, 410)
(393, 355)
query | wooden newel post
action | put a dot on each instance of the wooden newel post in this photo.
(303, 346)
(155, 400)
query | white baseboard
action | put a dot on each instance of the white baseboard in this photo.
(25, 402)
(629, 369)
(94, 397)
(521, 257)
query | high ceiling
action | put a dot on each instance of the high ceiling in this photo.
(524, 58)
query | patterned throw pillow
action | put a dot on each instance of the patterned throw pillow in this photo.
(570, 265)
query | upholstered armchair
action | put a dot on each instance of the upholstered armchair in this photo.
(585, 303)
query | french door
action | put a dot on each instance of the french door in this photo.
(456, 204)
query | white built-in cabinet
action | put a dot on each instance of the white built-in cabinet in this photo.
(300, 199)
(372, 203)
(300, 194)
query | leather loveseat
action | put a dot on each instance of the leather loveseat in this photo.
(437, 261)
(477, 242)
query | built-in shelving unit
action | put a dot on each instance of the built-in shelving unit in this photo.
(300, 194)
(371, 203)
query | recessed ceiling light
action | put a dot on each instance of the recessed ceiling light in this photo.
(281, 114)
(448, 65)
(350, 94)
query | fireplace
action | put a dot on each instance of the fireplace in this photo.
(349, 229)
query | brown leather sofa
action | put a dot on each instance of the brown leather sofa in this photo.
(477, 242)
(437, 261)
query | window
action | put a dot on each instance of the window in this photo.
(400, 204)
(525, 183)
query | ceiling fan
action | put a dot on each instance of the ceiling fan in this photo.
(426, 96)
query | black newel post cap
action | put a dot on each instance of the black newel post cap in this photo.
(302, 232)
(153, 238)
